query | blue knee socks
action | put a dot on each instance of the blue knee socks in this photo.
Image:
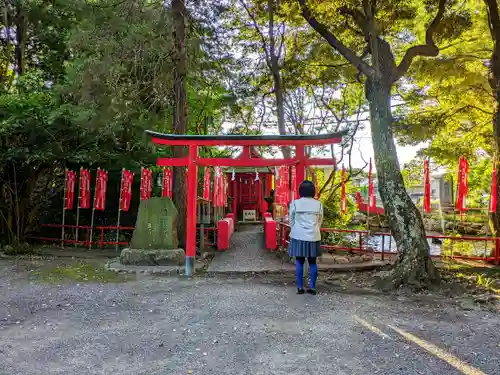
(299, 274)
(313, 275)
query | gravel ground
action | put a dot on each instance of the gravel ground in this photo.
(248, 254)
(230, 326)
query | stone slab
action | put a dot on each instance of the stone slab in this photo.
(155, 226)
(153, 257)
(116, 266)
(247, 255)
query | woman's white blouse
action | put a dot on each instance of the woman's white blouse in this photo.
(306, 217)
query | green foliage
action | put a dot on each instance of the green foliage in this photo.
(79, 272)
(453, 110)
(331, 199)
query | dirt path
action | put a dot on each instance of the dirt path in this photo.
(247, 254)
(233, 326)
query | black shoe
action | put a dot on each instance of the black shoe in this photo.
(300, 291)
(311, 291)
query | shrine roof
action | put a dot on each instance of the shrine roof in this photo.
(245, 140)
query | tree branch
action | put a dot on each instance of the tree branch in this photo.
(429, 49)
(345, 51)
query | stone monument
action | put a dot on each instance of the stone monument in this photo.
(154, 241)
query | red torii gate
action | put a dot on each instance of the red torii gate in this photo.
(192, 161)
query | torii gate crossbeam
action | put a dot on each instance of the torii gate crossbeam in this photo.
(193, 161)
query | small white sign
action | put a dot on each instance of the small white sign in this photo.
(249, 215)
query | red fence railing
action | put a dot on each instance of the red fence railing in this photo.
(87, 241)
(100, 232)
(362, 241)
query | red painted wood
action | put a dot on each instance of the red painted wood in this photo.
(300, 169)
(172, 162)
(318, 161)
(246, 142)
(225, 229)
(226, 162)
(191, 203)
(248, 192)
(270, 231)
(243, 162)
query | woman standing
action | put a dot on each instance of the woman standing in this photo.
(306, 217)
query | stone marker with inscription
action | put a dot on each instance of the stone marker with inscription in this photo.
(154, 241)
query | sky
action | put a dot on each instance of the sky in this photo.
(362, 150)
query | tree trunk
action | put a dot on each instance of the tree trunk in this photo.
(279, 92)
(279, 87)
(21, 34)
(494, 25)
(179, 190)
(414, 265)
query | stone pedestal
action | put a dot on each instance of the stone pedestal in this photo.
(154, 241)
(155, 257)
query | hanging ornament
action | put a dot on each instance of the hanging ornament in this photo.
(256, 175)
(233, 175)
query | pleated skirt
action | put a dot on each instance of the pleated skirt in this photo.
(305, 249)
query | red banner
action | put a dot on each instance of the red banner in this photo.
(359, 200)
(427, 187)
(371, 190)
(463, 184)
(166, 189)
(146, 183)
(316, 186)
(373, 203)
(206, 184)
(286, 185)
(220, 188)
(126, 190)
(100, 190)
(216, 193)
(84, 200)
(69, 196)
(493, 192)
(224, 190)
(343, 201)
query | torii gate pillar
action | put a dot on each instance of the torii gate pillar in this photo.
(192, 193)
(300, 174)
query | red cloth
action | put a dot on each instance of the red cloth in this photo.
(427, 187)
(126, 190)
(84, 199)
(343, 202)
(316, 186)
(100, 189)
(217, 193)
(206, 184)
(493, 192)
(146, 183)
(295, 194)
(370, 182)
(166, 189)
(463, 184)
(69, 196)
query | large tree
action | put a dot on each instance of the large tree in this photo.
(179, 118)
(368, 28)
(494, 70)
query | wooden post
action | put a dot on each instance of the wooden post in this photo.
(191, 210)
(300, 174)
(202, 237)
(119, 212)
(64, 208)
